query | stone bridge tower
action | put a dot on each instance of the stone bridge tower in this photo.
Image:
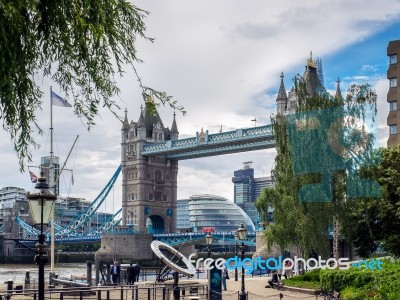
(149, 184)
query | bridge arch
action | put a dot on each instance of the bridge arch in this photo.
(155, 224)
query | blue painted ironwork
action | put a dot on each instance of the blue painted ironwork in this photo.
(239, 140)
(108, 225)
(70, 230)
(181, 238)
(29, 230)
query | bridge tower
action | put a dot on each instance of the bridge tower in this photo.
(149, 184)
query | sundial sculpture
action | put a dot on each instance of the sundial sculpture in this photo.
(169, 264)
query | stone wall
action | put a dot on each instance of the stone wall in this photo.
(124, 247)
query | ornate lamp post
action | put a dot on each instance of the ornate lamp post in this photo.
(241, 231)
(236, 252)
(41, 202)
(209, 240)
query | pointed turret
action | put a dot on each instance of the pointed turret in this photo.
(125, 123)
(141, 125)
(338, 94)
(174, 129)
(311, 78)
(281, 99)
(141, 122)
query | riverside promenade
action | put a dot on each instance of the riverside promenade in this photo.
(255, 286)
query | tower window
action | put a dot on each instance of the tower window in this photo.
(150, 196)
(393, 129)
(393, 105)
(158, 176)
(393, 59)
(393, 82)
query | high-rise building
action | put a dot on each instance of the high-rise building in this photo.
(247, 188)
(393, 95)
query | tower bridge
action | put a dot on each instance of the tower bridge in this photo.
(150, 153)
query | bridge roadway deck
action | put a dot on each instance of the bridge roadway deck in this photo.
(239, 140)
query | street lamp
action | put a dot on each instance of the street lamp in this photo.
(236, 252)
(209, 240)
(41, 202)
(241, 231)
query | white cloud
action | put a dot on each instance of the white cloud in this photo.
(217, 59)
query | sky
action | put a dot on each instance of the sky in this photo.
(222, 61)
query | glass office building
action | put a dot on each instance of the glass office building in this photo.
(247, 188)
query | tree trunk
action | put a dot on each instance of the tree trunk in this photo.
(336, 231)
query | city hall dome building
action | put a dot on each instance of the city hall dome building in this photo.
(216, 214)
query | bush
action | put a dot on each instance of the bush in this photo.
(354, 283)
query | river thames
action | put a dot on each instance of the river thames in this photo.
(16, 273)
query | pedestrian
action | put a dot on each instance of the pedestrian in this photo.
(279, 273)
(137, 271)
(225, 276)
(288, 269)
(130, 271)
(273, 280)
(115, 271)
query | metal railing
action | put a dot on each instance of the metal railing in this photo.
(122, 292)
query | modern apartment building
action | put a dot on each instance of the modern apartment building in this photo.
(393, 95)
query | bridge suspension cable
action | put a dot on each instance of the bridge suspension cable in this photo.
(116, 218)
(70, 230)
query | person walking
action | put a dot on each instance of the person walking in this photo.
(115, 271)
(225, 276)
(136, 266)
(130, 271)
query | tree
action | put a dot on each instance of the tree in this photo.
(313, 199)
(376, 222)
(80, 45)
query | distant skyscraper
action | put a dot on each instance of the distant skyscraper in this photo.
(393, 95)
(247, 189)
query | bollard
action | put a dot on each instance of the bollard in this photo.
(280, 295)
(89, 272)
(122, 293)
(27, 280)
(108, 294)
(148, 294)
(163, 293)
(99, 295)
(9, 288)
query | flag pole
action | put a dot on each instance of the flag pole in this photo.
(54, 190)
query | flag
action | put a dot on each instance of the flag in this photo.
(58, 101)
(72, 178)
(34, 178)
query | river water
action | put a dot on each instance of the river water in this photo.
(16, 273)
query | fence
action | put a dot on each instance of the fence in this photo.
(143, 292)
